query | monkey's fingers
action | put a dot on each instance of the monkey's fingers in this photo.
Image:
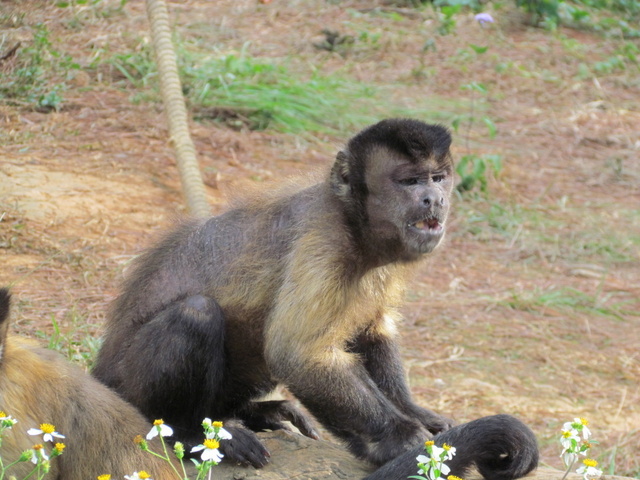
(441, 424)
(434, 422)
(245, 448)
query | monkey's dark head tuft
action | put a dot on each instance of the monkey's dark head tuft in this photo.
(411, 138)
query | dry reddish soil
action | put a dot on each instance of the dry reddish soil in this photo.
(532, 306)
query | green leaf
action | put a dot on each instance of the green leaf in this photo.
(475, 87)
(478, 49)
(450, 10)
(493, 130)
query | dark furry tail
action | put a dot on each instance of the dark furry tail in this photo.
(501, 447)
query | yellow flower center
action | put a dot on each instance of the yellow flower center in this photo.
(584, 421)
(446, 446)
(47, 428)
(138, 439)
(589, 462)
(566, 433)
(428, 443)
(217, 424)
(2, 414)
(60, 447)
(211, 443)
(453, 477)
(158, 422)
(38, 447)
(104, 477)
(143, 474)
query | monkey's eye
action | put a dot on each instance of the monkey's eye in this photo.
(438, 178)
(409, 181)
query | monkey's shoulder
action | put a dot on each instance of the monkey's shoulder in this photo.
(286, 209)
(271, 226)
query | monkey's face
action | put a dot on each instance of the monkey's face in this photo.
(408, 202)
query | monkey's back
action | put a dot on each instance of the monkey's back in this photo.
(233, 258)
(39, 386)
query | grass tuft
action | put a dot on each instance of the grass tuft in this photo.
(245, 92)
(568, 300)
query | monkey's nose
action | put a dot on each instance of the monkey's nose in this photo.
(433, 199)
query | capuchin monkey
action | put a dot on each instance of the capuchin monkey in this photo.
(300, 288)
(499, 447)
(38, 386)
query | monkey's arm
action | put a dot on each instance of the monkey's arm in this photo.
(306, 348)
(381, 357)
(500, 446)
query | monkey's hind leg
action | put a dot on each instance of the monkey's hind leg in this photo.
(176, 368)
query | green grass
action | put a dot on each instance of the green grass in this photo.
(38, 75)
(243, 91)
(591, 233)
(604, 232)
(76, 340)
(506, 219)
(268, 95)
(569, 300)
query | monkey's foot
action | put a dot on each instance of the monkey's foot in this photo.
(243, 447)
(270, 415)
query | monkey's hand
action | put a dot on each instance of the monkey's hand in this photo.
(396, 440)
(270, 415)
(434, 422)
(243, 446)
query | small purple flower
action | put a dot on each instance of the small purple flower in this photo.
(483, 18)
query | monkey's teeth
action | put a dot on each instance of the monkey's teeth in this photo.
(426, 225)
(422, 225)
(433, 224)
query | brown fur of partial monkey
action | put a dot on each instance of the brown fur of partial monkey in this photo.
(300, 288)
(39, 386)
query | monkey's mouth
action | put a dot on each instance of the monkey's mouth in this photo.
(431, 226)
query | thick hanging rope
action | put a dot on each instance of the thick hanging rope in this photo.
(175, 109)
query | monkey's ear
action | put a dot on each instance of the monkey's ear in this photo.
(5, 301)
(340, 175)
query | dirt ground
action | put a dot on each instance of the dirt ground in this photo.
(532, 306)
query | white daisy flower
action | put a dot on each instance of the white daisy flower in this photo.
(38, 453)
(450, 451)
(159, 427)
(47, 431)
(589, 469)
(569, 438)
(6, 421)
(219, 432)
(141, 475)
(210, 452)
